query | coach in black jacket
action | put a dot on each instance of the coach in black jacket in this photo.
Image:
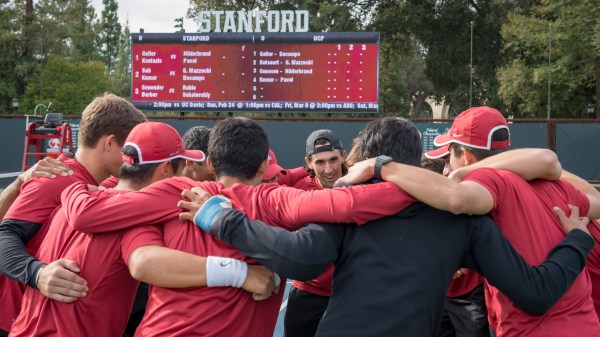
(391, 275)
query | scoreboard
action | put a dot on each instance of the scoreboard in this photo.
(266, 72)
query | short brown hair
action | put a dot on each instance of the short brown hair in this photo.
(434, 165)
(108, 115)
(481, 154)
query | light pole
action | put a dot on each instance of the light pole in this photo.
(549, 66)
(471, 71)
(41, 62)
(591, 110)
(15, 104)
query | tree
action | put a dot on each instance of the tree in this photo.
(121, 76)
(70, 86)
(570, 30)
(9, 54)
(179, 25)
(83, 45)
(110, 33)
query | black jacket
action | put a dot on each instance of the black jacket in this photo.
(391, 275)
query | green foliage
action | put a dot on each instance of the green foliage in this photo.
(68, 85)
(570, 32)
(9, 55)
(60, 51)
(83, 46)
(110, 33)
(121, 74)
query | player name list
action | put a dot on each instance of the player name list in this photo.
(333, 72)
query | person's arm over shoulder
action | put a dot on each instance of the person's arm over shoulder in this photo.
(38, 198)
(149, 261)
(47, 167)
(58, 280)
(292, 176)
(527, 163)
(32, 208)
(439, 191)
(300, 255)
(153, 204)
(533, 288)
(584, 187)
(429, 187)
(290, 208)
(15, 262)
(9, 195)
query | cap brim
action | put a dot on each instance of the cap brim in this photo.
(439, 152)
(272, 171)
(194, 155)
(442, 139)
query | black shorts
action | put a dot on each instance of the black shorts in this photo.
(465, 316)
(303, 314)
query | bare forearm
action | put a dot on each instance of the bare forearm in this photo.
(529, 164)
(579, 183)
(587, 189)
(9, 195)
(426, 186)
(167, 268)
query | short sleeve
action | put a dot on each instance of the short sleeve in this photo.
(141, 236)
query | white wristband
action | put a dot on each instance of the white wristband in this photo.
(225, 272)
(37, 274)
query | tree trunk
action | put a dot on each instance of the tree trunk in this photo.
(598, 87)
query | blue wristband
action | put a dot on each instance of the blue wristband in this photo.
(207, 214)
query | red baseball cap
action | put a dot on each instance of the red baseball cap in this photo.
(273, 169)
(157, 142)
(438, 153)
(474, 128)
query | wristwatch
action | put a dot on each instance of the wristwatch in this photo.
(379, 162)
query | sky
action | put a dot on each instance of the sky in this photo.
(155, 16)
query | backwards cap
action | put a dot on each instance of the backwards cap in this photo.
(330, 136)
(474, 128)
(156, 143)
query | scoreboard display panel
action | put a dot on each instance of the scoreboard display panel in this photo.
(245, 72)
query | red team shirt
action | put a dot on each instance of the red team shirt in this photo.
(221, 311)
(593, 264)
(523, 212)
(102, 258)
(110, 182)
(464, 284)
(38, 199)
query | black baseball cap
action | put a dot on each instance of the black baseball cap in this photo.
(330, 136)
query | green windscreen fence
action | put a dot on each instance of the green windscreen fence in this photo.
(578, 148)
(576, 144)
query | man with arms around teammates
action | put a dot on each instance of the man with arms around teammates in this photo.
(238, 149)
(391, 275)
(152, 151)
(104, 125)
(196, 138)
(521, 209)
